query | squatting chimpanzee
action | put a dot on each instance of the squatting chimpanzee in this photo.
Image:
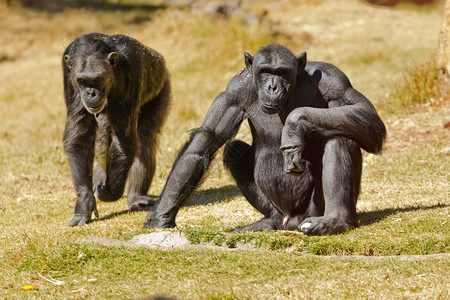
(309, 110)
(117, 93)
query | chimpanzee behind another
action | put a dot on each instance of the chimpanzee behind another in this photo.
(117, 94)
(309, 110)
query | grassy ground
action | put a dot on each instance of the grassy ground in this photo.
(403, 207)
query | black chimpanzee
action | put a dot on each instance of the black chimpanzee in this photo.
(309, 110)
(117, 93)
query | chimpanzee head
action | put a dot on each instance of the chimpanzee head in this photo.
(92, 68)
(274, 70)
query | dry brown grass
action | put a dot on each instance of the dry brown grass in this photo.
(404, 204)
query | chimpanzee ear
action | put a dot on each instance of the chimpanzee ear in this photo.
(67, 61)
(113, 59)
(248, 61)
(301, 61)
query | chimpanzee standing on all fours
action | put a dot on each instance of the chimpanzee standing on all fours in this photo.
(117, 93)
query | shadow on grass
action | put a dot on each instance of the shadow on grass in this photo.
(370, 217)
(213, 195)
(198, 198)
(230, 191)
(124, 212)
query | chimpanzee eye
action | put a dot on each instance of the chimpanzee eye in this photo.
(82, 82)
(98, 82)
(282, 73)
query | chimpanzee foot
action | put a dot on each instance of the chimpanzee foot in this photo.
(292, 223)
(261, 225)
(324, 225)
(141, 203)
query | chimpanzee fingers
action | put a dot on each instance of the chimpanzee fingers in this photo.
(293, 163)
(83, 211)
(289, 156)
(78, 220)
(159, 223)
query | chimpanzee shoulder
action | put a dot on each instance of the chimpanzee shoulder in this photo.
(241, 86)
(331, 81)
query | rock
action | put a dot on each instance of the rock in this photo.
(162, 239)
(167, 239)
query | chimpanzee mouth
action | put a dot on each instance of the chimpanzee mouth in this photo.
(96, 109)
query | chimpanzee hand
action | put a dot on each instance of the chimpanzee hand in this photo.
(292, 144)
(83, 211)
(160, 221)
(293, 163)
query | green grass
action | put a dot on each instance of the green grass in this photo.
(111, 273)
(403, 206)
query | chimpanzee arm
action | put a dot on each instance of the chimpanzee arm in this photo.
(355, 118)
(79, 141)
(121, 153)
(220, 124)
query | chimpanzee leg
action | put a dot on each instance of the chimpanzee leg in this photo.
(238, 158)
(118, 165)
(141, 174)
(341, 178)
(151, 118)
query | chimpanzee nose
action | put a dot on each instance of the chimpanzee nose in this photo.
(92, 92)
(271, 88)
(272, 85)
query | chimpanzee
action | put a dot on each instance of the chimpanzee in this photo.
(312, 113)
(117, 93)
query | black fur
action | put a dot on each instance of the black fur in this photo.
(309, 110)
(117, 93)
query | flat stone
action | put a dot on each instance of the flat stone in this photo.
(163, 239)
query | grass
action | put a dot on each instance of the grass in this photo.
(419, 85)
(403, 206)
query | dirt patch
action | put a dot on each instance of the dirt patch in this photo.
(412, 131)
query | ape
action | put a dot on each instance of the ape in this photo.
(117, 93)
(309, 110)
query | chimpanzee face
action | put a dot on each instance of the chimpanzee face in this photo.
(274, 70)
(93, 75)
